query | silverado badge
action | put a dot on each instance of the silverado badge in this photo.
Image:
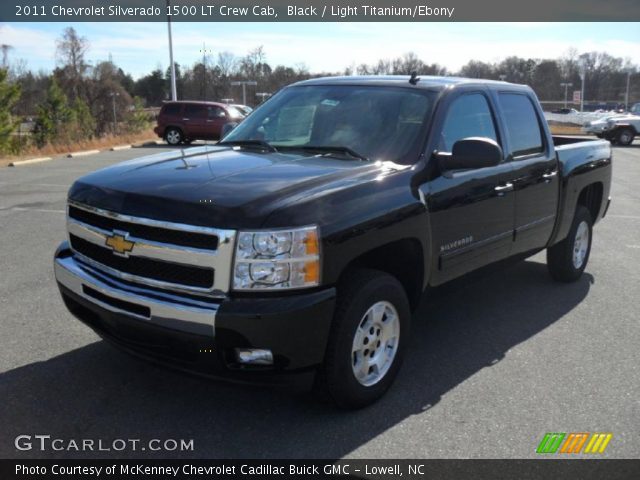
(119, 244)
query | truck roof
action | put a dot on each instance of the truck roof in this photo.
(423, 81)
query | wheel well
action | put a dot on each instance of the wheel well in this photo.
(403, 259)
(627, 127)
(591, 197)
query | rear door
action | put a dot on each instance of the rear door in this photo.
(471, 211)
(535, 177)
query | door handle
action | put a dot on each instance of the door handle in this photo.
(502, 189)
(550, 174)
(186, 119)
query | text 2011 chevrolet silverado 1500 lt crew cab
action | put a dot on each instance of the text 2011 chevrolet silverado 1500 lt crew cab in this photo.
(302, 242)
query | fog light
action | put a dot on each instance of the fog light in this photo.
(254, 356)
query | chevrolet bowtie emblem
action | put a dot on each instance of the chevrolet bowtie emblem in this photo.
(119, 244)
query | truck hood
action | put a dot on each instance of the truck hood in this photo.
(218, 186)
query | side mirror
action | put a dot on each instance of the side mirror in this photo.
(226, 128)
(472, 153)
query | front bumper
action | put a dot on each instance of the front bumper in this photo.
(200, 334)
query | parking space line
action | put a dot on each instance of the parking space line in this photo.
(23, 209)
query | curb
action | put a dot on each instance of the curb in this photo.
(82, 154)
(120, 147)
(149, 144)
(19, 163)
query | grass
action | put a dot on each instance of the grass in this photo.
(565, 129)
(101, 143)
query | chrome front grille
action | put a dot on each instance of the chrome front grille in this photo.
(161, 254)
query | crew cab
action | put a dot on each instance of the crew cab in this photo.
(184, 121)
(299, 246)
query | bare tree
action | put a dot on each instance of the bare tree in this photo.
(227, 63)
(71, 49)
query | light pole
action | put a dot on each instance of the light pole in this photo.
(244, 84)
(566, 86)
(626, 95)
(502, 77)
(583, 74)
(263, 96)
(113, 96)
(174, 94)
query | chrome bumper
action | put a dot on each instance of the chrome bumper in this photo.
(164, 309)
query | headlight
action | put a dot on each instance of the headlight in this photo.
(279, 259)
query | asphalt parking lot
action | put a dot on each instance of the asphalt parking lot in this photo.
(494, 363)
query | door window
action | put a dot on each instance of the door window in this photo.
(523, 127)
(195, 111)
(216, 112)
(468, 116)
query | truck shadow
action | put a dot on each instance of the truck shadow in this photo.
(96, 392)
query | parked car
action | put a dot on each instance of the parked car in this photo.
(299, 246)
(619, 129)
(185, 121)
(565, 111)
(246, 110)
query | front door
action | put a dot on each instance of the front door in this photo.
(216, 119)
(471, 211)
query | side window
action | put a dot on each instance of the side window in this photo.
(216, 112)
(468, 116)
(194, 111)
(171, 109)
(523, 127)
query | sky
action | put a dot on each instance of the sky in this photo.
(139, 48)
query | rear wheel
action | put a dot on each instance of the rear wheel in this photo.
(366, 345)
(625, 137)
(567, 260)
(173, 136)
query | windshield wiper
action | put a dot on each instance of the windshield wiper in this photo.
(250, 143)
(327, 150)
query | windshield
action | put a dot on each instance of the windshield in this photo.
(379, 123)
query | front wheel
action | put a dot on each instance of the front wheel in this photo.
(567, 260)
(366, 345)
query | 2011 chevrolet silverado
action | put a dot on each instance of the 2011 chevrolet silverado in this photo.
(301, 243)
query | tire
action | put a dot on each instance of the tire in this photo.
(173, 136)
(625, 136)
(372, 309)
(567, 260)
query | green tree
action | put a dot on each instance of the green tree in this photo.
(138, 119)
(54, 114)
(9, 96)
(85, 124)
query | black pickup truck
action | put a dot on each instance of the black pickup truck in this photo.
(299, 245)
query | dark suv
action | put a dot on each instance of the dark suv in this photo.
(185, 121)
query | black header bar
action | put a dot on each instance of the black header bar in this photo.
(319, 10)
